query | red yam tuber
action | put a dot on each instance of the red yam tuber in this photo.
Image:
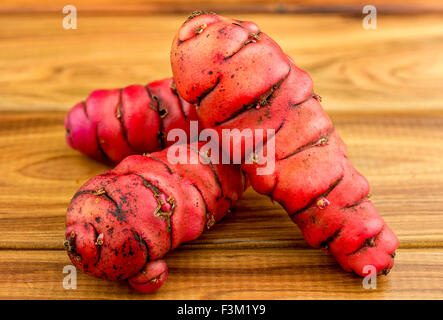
(113, 124)
(240, 78)
(122, 223)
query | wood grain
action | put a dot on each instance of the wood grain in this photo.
(260, 273)
(397, 67)
(226, 6)
(383, 90)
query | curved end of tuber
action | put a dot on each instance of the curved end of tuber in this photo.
(151, 278)
(80, 243)
(378, 255)
(196, 23)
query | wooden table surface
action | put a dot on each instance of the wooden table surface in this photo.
(383, 88)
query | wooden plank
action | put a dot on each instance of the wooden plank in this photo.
(396, 67)
(382, 88)
(399, 154)
(229, 274)
(227, 6)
